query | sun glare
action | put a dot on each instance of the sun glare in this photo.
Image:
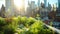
(18, 3)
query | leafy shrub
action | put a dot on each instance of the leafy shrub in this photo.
(9, 31)
(37, 28)
(1, 32)
(2, 22)
(19, 18)
(30, 21)
(8, 20)
(23, 20)
(10, 25)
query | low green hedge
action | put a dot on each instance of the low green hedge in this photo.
(10, 26)
(38, 28)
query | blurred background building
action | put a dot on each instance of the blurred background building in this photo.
(9, 7)
(45, 2)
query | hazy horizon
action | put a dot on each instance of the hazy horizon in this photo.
(50, 1)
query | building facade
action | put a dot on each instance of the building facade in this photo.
(12, 10)
(38, 3)
(59, 4)
(58, 9)
(9, 7)
(31, 8)
(45, 2)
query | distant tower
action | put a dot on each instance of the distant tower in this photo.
(9, 6)
(38, 2)
(22, 10)
(33, 4)
(59, 4)
(28, 3)
(23, 4)
(49, 6)
(45, 2)
(31, 8)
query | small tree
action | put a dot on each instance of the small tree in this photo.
(2, 11)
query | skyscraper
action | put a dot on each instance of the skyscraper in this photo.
(9, 6)
(49, 6)
(22, 10)
(33, 5)
(58, 10)
(59, 4)
(38, 2)
(45, 2)
(31, 8)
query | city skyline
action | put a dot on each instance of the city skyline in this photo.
(50, 1)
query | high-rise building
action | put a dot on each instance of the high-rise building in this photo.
(22, 10)
(33, 4)
(45, 2)
(9, 6)
(31, 8)
(49, 6)
(58, 10)
(59, 4)
(38, 2)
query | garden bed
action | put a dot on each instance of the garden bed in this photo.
(23, 25)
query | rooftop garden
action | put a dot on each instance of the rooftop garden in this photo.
(23, 25)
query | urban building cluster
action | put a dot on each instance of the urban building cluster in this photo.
(51, 12)
(31, 10)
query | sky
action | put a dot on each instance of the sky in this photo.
(50, 1)
(2, 2)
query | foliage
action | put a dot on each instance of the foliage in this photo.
(31, 26)
(11, 25)
(2, 22)
(23, 20)
(30, 21)
(37, 28)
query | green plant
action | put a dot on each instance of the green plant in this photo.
(23, 20)
(30, 26)
(30, 21)
(9, 31)
(37, 28)
(2, 22)
(1, 32)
